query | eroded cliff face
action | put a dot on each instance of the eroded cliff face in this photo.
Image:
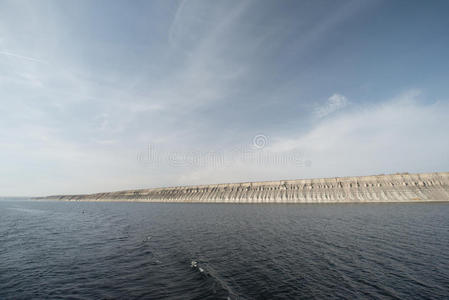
(380, 188)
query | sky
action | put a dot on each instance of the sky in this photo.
(110, 95)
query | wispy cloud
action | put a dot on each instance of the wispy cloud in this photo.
(24, 57)
(334, 103)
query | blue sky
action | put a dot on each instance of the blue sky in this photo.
(110, 95)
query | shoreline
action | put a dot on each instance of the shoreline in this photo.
(394, 188)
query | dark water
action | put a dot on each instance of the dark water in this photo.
(94, 250)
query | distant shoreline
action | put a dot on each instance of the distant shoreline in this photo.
(401, 187)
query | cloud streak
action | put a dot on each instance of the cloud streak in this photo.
(28, 58)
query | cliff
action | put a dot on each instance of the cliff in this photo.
(380, 188)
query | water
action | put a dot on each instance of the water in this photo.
(93, 250)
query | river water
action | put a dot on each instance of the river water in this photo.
(95, 250)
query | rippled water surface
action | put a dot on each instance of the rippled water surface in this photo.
(93, 250)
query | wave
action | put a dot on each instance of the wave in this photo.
(28, 210)
(208, 273)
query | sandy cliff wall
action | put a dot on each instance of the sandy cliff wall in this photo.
(379, 188)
